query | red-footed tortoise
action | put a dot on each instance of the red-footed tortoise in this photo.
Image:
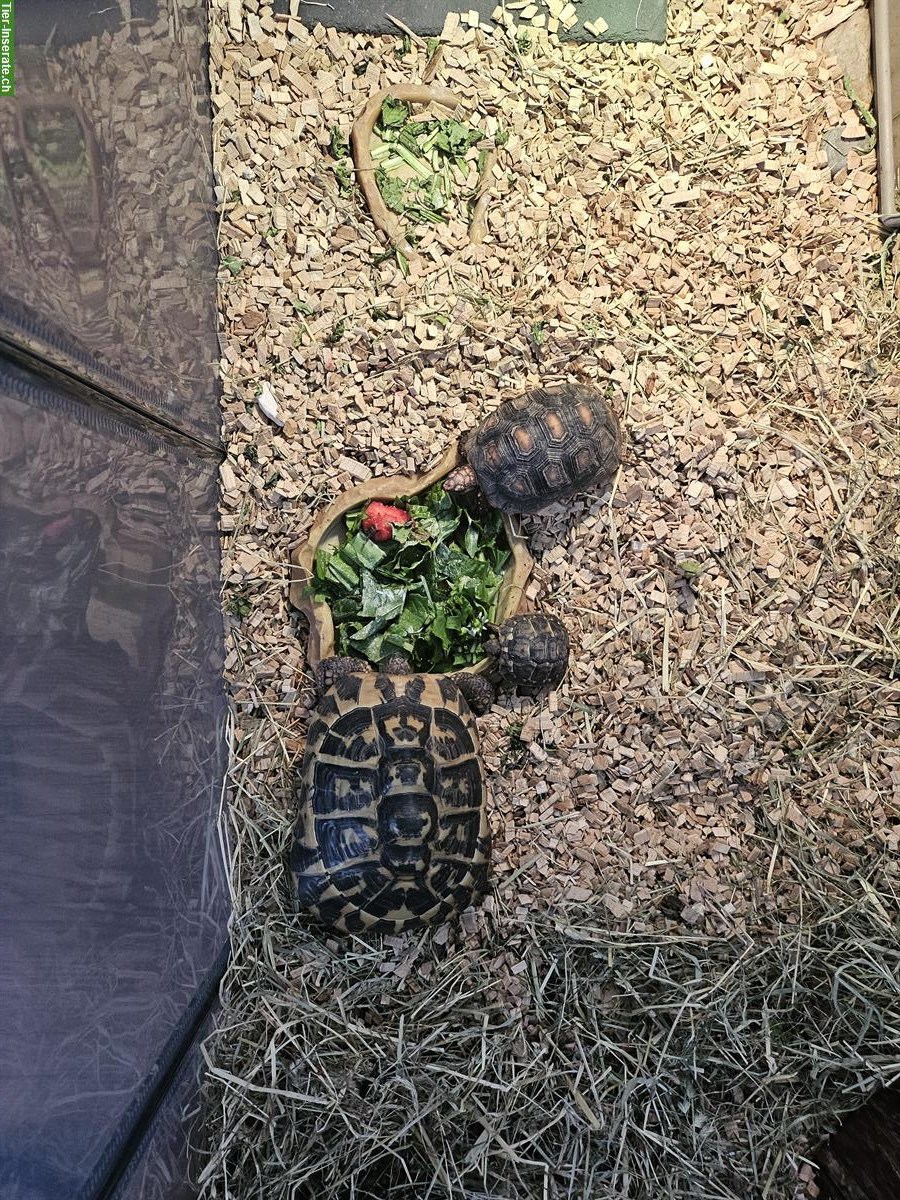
(541, 447)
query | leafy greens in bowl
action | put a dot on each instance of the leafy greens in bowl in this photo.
(428, 592)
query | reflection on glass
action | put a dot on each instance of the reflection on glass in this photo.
(108, 250)
(63, 159)
(111, 712)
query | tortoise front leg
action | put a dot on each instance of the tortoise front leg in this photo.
(479, 693)
(330, 670)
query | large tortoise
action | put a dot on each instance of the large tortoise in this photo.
(541, 447)
(392, 829)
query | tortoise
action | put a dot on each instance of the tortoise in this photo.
(541, 447)
(531, 651)
(392, 829)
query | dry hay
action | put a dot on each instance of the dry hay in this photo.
(715, 784)
(547, 1055)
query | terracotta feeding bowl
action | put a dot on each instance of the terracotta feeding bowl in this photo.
(328, 529)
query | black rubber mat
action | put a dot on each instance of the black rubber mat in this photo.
(626, 20)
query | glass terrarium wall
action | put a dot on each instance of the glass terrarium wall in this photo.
(111, 714)
(115, 901)
(107, 243)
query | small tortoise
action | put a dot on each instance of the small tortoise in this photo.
(392, 829)
(541, 447)
(532, 651)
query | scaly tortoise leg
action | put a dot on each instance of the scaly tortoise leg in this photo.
(479, 693)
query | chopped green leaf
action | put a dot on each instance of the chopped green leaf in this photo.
(381, 599)
(454, 138)
(429, 592)
(333, 566)
(435, 525)
(344, 176)
(337, 331)
(362, 551)
(340, 147)
(411, 134)
(394, 112)
(392, 191)
(416, 614)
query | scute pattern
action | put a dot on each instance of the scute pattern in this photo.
(545, 446)
(534, 651)
(392, 827)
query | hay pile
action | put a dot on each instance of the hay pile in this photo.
(688, 963)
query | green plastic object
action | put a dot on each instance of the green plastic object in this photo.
(628, 20)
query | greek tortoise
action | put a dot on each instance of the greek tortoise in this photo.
(541, 447)
(392, 828)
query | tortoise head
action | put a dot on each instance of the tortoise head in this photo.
(462, 479)
(395, 664)
(492, 641)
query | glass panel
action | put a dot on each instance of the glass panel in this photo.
(107, 241)
(165, 1164)
(111, 762)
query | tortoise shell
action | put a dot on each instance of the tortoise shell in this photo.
(545, 446)
(533, 651)
(392, 827)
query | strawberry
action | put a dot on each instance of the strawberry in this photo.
(379, 520)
